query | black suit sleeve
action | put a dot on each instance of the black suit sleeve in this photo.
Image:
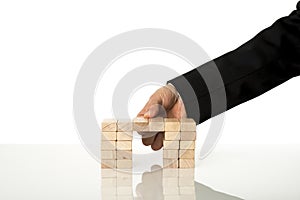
(269, 59)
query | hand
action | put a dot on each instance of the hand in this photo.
(165, 102)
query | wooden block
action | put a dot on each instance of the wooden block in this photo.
(108, 173)
(173, 154)
(187, 153)
(187, 190)
(124, 136)
(170, 163)
(108, 145)
(124, 190)
(109, 136)
(172, 135)
(186, 163)
(186, 172)
(124, 155)
(108, 164)
(156, 124)
(124, 125)
(124, 164)
(124, 145)
(140, 124)
(172, 124)
(109, 155)
(187, 124)
(186, 181)
(169, 145)
(170, 182)
(187, 145)
(188, 135)
(109, 125)
(170, 172)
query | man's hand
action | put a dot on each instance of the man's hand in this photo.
(165, 102)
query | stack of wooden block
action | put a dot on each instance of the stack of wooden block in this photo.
(116, 144)
(178, 144)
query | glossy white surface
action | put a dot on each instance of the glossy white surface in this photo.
(68, 172)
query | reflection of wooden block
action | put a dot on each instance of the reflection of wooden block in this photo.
(171, 190)
(173, 154)
(140, 124)
(187, 144)
(186, 181)
(186, 172)
(125, 197)
(109, 136)
(188, 196)
(170, 182)
(108, 173)
(108, 164)
(172, 124)
(156, 124)
(124, 164)
(187, 124)
(186, 163)
(188, 135)
(124, 136)
(108, 191)
(110, 155)
(187, 153)
(124, 145)
(172, 136)
(109, 182)
(172, 197)
(170, 172)
(171, 145)
(124, 125)
(124, 190)
(187, 190)
(170, 163)
(124, 180)
(108, 145)
(124, 155)
(109, 125)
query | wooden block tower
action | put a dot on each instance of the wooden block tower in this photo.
(178, 144)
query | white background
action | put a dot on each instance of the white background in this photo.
(43, 45)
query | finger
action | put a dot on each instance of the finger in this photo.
(153, 111)
(148, 141)
(158, 142)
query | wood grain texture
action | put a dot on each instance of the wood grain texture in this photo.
(186, 163)
(172, 124)
(187, 144)
(171, 145)
(187, 153)
(172, 135)
(124, 136)
(111, 155)
(170, 163)
(187, 124)
(109, 125)
(156, 124)
(188, 135)
(124, 145)
(108, 164)
(112, 135)
(170, 154)
(108, 145)
(140, 124)
(124, 164)
(124, 155)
